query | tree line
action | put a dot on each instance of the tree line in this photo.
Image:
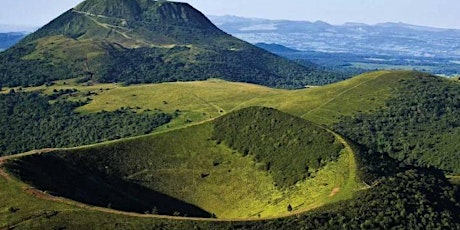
(419, 125)
(288, 147)
(28, 121)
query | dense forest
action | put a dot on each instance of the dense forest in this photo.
(296, 150)
(154, 65)
(14, 71)
(28, 121)
(181, 63)
(419, 126)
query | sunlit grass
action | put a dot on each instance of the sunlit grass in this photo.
(201, 101)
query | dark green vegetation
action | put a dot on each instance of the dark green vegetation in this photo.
(419, 125)
(287, 146)
(138, 41)
(404, 199)
(166, 172)
(398, 195)
(238, 65)
(326, 63)
(29, 121)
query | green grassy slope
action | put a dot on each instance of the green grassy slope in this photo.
(397, 197)
(323, 105)
(192, 102)
(199, 101)
(187, 165)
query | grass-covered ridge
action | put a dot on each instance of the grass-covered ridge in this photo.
(322, 105)
(396, 196)
(200, 101)
(200, 176)
(288, 147)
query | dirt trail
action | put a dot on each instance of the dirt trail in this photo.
(115, 28)
(4, 159)
(334, 191)
(339, 95)
(4, 174)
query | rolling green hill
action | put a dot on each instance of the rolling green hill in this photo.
(396, 194)
(137, 41)
(322, 105)
(200, 101)
(172, 171)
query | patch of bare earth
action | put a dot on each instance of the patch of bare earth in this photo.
(334, 192)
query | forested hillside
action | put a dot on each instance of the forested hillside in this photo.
(136, 41)
(29, 121)
(289, 147)
(397, 188)
(419, 125)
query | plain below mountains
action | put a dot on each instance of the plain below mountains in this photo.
(10, 38)
(357, 45)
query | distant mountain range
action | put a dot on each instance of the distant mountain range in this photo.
(9, 39)
(7, 28)
(380, 46)
(11, 34)
(384, 38)
(360, 46)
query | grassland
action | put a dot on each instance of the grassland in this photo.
(203, 100)
(198, 103)
(321, 105)
(173, 163)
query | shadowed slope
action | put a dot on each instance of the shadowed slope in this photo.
(89, 185)
(190, 168)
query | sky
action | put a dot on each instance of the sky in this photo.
(435, 13)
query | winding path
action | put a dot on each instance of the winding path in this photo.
(339, 94)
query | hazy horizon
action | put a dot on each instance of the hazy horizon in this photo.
(439, 14)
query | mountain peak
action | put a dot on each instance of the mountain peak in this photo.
(144, 10)
(126, 9)
(142, 41)
(131, 23)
